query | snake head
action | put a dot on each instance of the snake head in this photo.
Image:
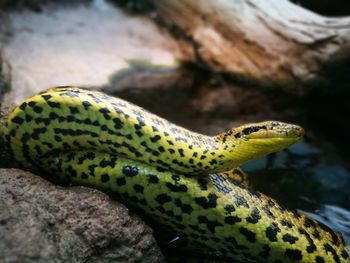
(254, 140)
(270, 130)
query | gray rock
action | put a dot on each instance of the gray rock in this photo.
(77, 44)
(42, 222)
(5, 75)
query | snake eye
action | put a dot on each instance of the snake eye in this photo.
(238, 135)
(274, 124)
(252, 129)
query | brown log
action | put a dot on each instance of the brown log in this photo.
(274, 42)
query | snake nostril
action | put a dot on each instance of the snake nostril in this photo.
(298, 130)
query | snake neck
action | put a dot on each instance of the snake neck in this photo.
(72, 118)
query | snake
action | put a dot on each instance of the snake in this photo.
(187, 181)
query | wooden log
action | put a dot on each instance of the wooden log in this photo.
(272, 42)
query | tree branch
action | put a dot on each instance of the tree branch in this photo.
(273, 42)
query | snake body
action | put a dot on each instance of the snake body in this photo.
(176, 176)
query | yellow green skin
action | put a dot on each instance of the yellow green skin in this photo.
(93, 120)
(221, 216)
(89, 138)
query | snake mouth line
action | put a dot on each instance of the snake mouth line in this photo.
(282, 131)
(298, 135)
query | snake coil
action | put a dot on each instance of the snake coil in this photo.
(176, 176)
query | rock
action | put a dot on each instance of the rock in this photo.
(142, 76)
(5, 76)
(77, 44)
(41, 222)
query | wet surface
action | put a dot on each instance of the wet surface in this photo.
(300, 177)
(312, 176)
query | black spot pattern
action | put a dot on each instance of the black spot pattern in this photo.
(130, 170)
(250, 236)
(71, 124)
(286, 223)
(185, 208)
(231, 220)
(206, 203)
(155, 138)
(271, 232)
(18, 120)
(163, 198)
(329, 248)
(293, 254)
(265, 253)
(289, 238)
(344, 254)
(120, 181)
(319, 259)
(311, 247)
(177, 188)
(230, 208)
(153, 179)
(211, 224)
(254, 216)
(241, 201)
(139, 188)
(104, 178)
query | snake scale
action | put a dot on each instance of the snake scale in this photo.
(176, 176)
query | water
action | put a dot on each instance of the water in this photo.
(298, 177)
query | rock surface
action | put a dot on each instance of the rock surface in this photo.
(56, 44)
(77, 44)
(41, 222)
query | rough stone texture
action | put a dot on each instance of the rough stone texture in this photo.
(80, 44)
(143, 77)
(75, 44)
(5, 76)
(41, 222)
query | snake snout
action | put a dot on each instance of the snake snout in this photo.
(297, 130)
(290, 130)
